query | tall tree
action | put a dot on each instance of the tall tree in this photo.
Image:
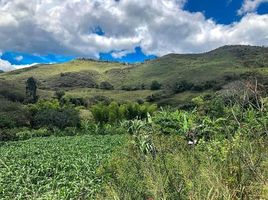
(31, 90)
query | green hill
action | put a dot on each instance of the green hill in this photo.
(204, 73)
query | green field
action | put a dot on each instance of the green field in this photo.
(54, 167)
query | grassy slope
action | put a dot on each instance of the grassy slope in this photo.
(196, 68)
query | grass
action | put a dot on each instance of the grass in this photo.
(117, 95)
(182, 98)
(54, 168)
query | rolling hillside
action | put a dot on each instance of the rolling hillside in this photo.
(206, 73)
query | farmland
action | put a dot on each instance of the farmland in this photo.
(54, 168)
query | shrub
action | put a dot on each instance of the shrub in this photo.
(154, 97)
(12, 114)
(12, 95)
(182, 86)
(99, 99)
(77, 101)
(49, 113)
(155, 85)
(59, 94)
(114, 112)
(106, 85)
(7, 135)
(61, 118)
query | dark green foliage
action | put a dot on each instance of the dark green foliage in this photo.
(77, 101)
(59, 94)
(7, 135)
(31, 90)
(99, 99)
(61, 118)
(115, 112)
(155, 97)
(106, 85)
(52, 114)
(12, 114)
(155, 85)
(182, 86)
(12, 95)
(133, 87)
(73, 79)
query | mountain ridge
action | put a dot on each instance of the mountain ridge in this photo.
(82, 77)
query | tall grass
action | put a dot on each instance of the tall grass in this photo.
(229, 161)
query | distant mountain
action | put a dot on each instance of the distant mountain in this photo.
(202, 73)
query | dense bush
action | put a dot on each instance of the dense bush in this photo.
(155, 85)
(52, 114)
(115, 112)
(61, 118)
(12, 95)
(201, 86)
(77, 101)
(12, 114)
(106, 85)
(99, 99)
(182, 86)
(204, 156)
(212, 170)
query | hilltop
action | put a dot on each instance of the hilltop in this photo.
(202, 73)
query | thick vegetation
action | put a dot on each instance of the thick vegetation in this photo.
(106, 142)
(218, 150)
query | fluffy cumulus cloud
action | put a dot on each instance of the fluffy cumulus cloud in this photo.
(158, 26)
(250, 6)
(7, 66)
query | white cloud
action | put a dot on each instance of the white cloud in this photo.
(158, 26)
(7, 66)
(250, 6)
(19, 58)
(120, 54)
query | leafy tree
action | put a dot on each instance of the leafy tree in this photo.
(31, 90)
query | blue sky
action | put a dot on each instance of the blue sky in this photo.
(126, 30)
(221, 11)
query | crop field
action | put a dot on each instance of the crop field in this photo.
(54, 167)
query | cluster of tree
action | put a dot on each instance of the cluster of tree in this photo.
(51, 114)
(184, 85)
